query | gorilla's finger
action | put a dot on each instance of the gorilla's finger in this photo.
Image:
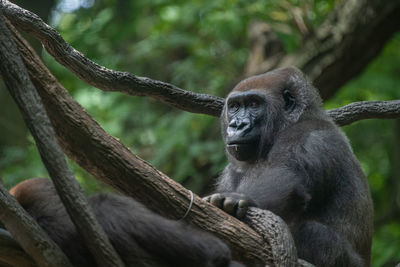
(217, 200)
(229, 205)
(207, 198)
(242, 208)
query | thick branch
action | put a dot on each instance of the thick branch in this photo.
(11, 253)
(274, 229)
(103, 78)
(25, 95)
(366, 110)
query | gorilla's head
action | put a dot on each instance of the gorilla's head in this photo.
(261, 106)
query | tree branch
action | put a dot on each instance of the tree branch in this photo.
(11, 253)
(366, 110)
(25, 95)
(109, 80)
(274, 229)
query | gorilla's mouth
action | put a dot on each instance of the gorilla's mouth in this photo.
(238, 141)
(242, 150)
(242, 144)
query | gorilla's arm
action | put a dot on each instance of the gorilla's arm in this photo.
(277, 189)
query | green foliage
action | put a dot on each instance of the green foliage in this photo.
(385, 249)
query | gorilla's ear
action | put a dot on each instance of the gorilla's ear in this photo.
(290, 100)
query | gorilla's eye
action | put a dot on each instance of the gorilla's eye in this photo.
(254, 104)
(233, 106)
(290, 101)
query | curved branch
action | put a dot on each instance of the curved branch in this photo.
(110, 80)
(103, 78)
(275, 230)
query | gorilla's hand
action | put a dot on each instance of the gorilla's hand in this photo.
(234, 204)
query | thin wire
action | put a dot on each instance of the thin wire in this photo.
(190, 205)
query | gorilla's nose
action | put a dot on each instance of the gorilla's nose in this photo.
(239, 126)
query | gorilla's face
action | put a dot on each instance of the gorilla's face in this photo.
(244, 113)
(255, 110)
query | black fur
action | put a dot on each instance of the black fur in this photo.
(141, 237)
(303, 169)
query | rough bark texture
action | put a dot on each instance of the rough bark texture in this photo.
(108, 160)
(274, 229)
(29, 102)
(366, 110)
(11, 254)
(109, 80)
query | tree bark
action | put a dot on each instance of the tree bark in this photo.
(365, 110)
(11, 253)
(274, 229)
(14, 134)
(25, 95)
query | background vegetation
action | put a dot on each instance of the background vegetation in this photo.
(201, 46)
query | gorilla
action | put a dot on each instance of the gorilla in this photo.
(286, 155)
(141, 237)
